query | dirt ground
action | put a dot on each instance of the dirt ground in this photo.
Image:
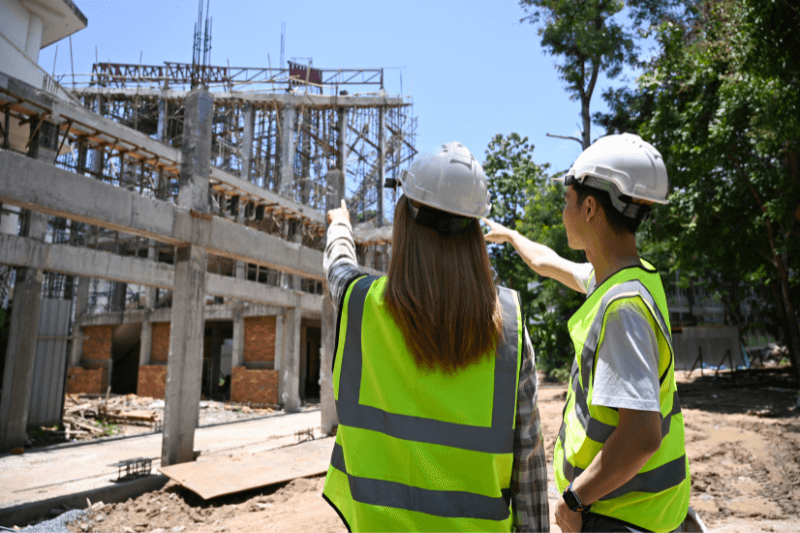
(742, 436)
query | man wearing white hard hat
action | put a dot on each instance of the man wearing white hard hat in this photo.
(620, 460)
(434, 375)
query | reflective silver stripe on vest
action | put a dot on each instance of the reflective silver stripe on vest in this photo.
(599, 431)
(629, 288)
(499, 438)
(653, 481)
(450, 504)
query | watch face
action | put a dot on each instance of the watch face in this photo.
(571, 500)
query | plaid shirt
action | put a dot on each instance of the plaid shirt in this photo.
(529, 474)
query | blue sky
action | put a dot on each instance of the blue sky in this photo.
(472, 68)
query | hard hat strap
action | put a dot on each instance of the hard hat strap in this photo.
(626, 208)
(443, 222)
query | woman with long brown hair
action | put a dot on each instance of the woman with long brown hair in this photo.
(434, 375)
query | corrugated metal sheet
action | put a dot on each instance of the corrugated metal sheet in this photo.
(47, 391)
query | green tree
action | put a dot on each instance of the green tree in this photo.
(721, 101)
(524, 199)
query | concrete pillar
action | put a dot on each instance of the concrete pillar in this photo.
(146, 343)
(150, 292)
(289, 374)
(246, 148)
(329, 420)
(237, 350)
(81, 307)
(381, 161)
(33, 41)
(295, 279)
(334, 182)
(343, 141)
(120, 296)
(305, 177)
(162, 117)
(21, 348)
(279, 336)
(369, 259)
(185, 361)
(286, 175)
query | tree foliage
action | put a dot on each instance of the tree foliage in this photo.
(524, 199)
(721, 101)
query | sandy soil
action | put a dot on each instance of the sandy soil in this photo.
(743, 440)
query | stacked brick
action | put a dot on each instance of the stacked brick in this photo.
(92, 377)
(257, 387)
(84, 380)
(256, 382)
(152, 379)
(259, 339)
(159, 349)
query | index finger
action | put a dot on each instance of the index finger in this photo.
(344, 205)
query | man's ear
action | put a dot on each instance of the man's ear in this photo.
(589, 208)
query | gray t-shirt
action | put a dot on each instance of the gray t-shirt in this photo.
(626, 375)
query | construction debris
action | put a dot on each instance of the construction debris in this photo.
(88, 417)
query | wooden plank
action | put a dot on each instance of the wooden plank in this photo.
(229, 475)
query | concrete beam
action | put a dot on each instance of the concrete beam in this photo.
(134, 142)
(310, 101)
(88, 263)
(212, 313)
(61, 193)
(84, 262)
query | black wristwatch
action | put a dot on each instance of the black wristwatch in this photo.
(573, 502)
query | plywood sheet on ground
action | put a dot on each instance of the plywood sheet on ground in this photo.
(229, 475)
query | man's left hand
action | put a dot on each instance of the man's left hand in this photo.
(567, 520)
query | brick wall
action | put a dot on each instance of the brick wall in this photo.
(152, 381)
(259, 339)
(97, 343)
(86, 380)
(159, 348)
(254, 386)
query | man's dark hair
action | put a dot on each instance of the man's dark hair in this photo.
(618, 222)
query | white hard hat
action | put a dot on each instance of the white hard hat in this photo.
(622, 164)
(450, 179)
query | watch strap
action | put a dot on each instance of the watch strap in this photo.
(573, 502)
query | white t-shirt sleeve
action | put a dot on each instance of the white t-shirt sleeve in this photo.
(583, 275)
(626, 375)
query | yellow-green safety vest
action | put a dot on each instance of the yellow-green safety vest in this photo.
(657, 497)
(420, 450)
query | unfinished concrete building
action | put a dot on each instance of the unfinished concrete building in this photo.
(169, 242)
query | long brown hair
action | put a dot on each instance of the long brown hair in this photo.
(440, 293)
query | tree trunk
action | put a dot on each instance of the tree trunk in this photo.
(793, 332)
(587, 123)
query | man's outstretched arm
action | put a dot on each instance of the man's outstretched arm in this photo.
(540, 258)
